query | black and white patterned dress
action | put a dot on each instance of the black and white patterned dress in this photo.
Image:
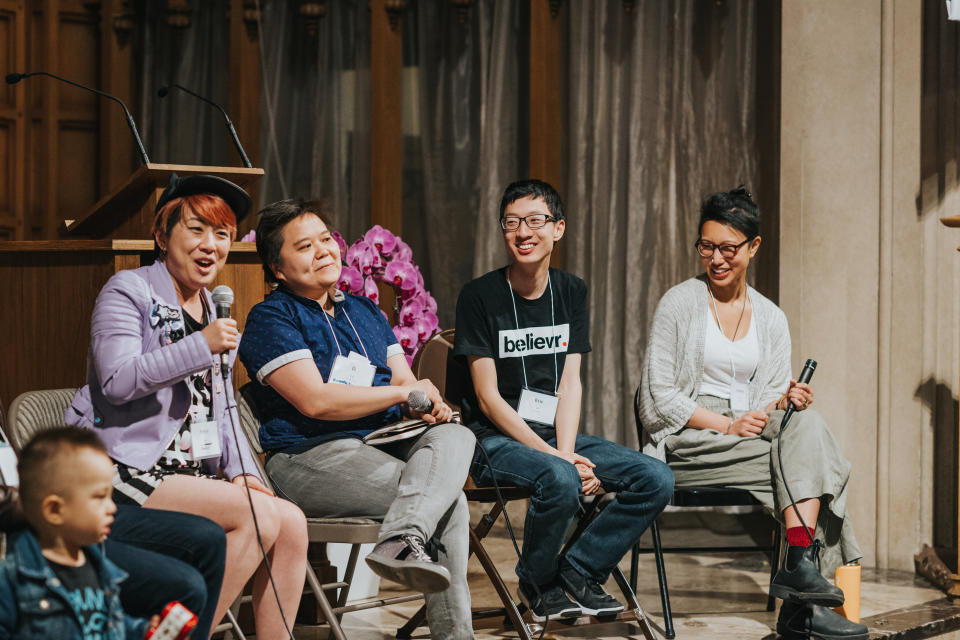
(132, 486)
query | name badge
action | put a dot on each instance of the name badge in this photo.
(204, 440)
(354, 370)
(8, 465)
(740, 396)
(538, 406)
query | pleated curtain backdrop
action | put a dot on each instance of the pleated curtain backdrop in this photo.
(661, 113)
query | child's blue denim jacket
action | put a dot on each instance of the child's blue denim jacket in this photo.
(34, 605)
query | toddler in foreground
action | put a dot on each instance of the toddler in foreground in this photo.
(55, 582)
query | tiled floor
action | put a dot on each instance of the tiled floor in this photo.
(714, 597)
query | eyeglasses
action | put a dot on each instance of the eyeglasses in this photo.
(534, 221)
(706, 249)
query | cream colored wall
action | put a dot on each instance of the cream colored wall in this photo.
(863, 277)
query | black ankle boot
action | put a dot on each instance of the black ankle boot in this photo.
(799, 579)
(803, 621)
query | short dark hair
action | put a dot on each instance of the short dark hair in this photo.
(39, 457)
(273, 218)
(734, 208)
(535, 189)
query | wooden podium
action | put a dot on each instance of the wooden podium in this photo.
(47, 288)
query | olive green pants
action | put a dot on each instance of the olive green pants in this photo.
(813, 466)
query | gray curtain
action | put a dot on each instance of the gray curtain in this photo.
(661, 113)
(315, 110)
(464, 146)
(179, 128)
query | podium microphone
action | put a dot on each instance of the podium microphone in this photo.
(14, 78)
(163, 91)
(222, 299)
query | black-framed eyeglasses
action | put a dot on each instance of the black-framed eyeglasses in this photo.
(707, 249)
(534, 221)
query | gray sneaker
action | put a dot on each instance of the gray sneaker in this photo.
(404, 559)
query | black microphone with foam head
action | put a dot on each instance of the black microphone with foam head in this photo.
(418, 400)
(222, 298)
(14, 78)
(163, 92)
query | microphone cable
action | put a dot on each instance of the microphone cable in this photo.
(231, 409)
(805, 375)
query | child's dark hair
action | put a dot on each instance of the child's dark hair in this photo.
(734, 208)
(535, 189)
(273, 218)
(36, 457)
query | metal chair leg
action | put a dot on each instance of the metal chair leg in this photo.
(324, 605)
(662, 580)
(634, 566)
(774, 562)
(634, 604)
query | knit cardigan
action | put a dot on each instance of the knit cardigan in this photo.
(673, 365)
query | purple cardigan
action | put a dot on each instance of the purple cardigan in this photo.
(136, 396)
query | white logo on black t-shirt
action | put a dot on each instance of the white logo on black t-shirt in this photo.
(534, 341)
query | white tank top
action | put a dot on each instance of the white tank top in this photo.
(723, 359)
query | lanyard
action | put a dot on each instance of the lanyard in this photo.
(553, 323)
(729, 342)
(334, 334)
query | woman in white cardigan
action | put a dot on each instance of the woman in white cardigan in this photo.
(716, 381)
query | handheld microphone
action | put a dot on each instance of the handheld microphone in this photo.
(808, 368)
(14, 78)
(418, 401)
(163, 91)
(223, 297)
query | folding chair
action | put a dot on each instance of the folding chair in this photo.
(352, 531)
(434, 361)
(693, 497)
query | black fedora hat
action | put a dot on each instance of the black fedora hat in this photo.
(236, 198)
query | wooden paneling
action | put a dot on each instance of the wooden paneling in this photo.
(77, 169)
(245, 95)
(386, 128)
(53, 285)
(546, 91)
(116, 77)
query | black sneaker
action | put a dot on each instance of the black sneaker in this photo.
(803, 621)
(552, 601)
(587, 592)
(799, 579)
(404, 559)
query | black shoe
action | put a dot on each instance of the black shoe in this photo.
(802, 621)
(588, 593)
(799, 579)
(552, 601)
(404, 559)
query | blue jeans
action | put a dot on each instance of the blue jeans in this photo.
(643, 485)
(169, 556)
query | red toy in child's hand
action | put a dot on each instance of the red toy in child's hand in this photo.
(176, 623)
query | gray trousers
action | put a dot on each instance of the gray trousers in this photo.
(415, 486)
(813, 465)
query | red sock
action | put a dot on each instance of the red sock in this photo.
(797, 536)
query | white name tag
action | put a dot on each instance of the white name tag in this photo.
(354, 370)
(740, 396)
(538, 406)
(8, 465)
(204, 440)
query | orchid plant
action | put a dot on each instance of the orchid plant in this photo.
(381, 256)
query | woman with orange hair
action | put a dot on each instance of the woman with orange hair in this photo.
(157, 398)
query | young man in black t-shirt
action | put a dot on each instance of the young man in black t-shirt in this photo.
(522, 330)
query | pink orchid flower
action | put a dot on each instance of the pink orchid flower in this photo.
(382, 240)
(351, 280)
(407, 338)
(401, 274)
(370, 290)
(340, 242)
(410, 311)
(425, 326)
(403, 252)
